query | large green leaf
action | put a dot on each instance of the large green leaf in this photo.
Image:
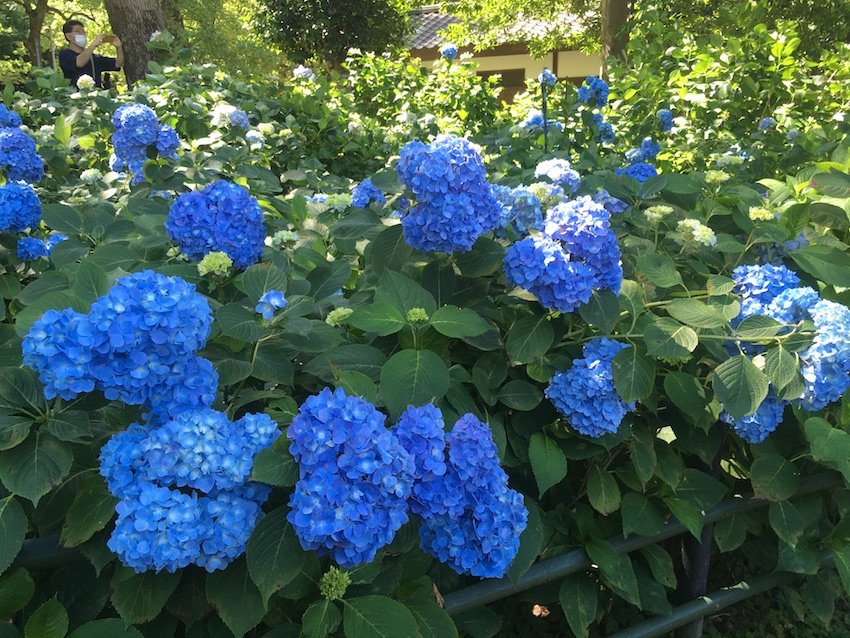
(530, 543)
(13, 529)
(140, 597)
(378, 617)
(667, 338)
(236, 321)
(327, 279)
(634, 374)
(235, 597)
(786, 521)
(381, 318)
(359, 357)
(274, 465)
(91, 511)
(548, 462)
(13, 430)
(89, 282)
(486, 257)
(617, 570)
(413, 377)
(773, 477)
(602, 311)
(321, 619)
(432, 620)
(579, 598)
(739, 385)
(520, 395)
(35, 466)
(389, 250)
(695, 313)
(602, 490)
(640, 515)
(660, 270)
(841, 557)
(274, 555)
(50, 620)
(259, 279)
(404, 294)
(105, 628)
(829, 264)
(529, 339)
(16, 590)
(833, 184)
(829, 444)
(458, 322)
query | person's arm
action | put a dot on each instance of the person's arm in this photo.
(119, 52)
(84, 56)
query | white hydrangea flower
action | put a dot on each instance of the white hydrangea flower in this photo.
(220, 115)
(85, 82)
(155, 35)
(90, 176)
(695, 232)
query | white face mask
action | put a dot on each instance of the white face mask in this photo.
(80, 40)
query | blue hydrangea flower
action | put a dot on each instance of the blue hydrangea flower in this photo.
(547, 78)
(255, 138)
(270, 303)
(303, 73)
(20, 207)
(471, 520)
(222, 217)
(594, 92)
(665, 120)
(365, 193)
(355, 478)
(826, 363)
(649, 148)
(8, 118)
(585, 393)
(759, 284)
(792, 134)
(167, 142)
(19, 159)
(53, 240)
(534, 121)
(448, 51)
(454, 204)
(640, 171)
(30, 248)
(612, 204)
(560, 172)
(239, 118)
(421, 431)
(792, 305)
(766, 123)
(136, 129)
(521, 209)
(757, 426)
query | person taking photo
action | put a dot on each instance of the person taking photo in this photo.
(80, 59)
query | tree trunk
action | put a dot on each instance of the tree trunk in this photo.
(133, 21)
(35, 15)
(615, 33)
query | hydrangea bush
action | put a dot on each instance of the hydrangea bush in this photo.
(313, 374)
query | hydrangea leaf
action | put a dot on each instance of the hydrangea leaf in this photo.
(829, 444)
(826, 263)
(602, 311)
(660, 564)
(617, 570)
(13, 430)
(380, 317)
(91, 511)
(695, 313)
(235, 597)
(432, 620)
(452, 321)
(274, 556)
(579, 598)
(259, 279)
(378, 617)
(50, 620)
(634, 374)
(413, 377)
(520, 395)
(359, 357)
(35, 466)
(603, 491)
(321, 619)
(529, 338)
(389, 251)
(485, 258)
(739, 385)
(105, 628)
(404, 293)
(140, 597)
(89, 282)
(13, 528)
(666, 337)
(530, 543)
(327, 279)
(774, 478)
(730, 533)
(640, 515)
(16, 590)
(660, 270)
(548, 462)
(786, 521)
(275, 466)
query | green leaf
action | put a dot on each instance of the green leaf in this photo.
(358, 224)
(48, 621)
(72, 426)
(452, 321)
(631, 297)
(833, 184)
(643, 455)
(272, 362)
(687, 513)
(640, 515)
(697, 314)
(274, 465)
(274, 555)
(432, 620)
(820, 598)
(826, 263)
(730, 533)
(21, 392)
(530, 543)
(413, 377)
(359, 385)
(404, 293)
(378, 617)
(841, 557)
(16, 590)
(529, 339)
(259, 279)
(786, 521)
(486, 257)
(781, 367)
(35, 466)
(235, 597)
(62, 218)
(13, 529)
(660, 270)
(829, 444)
(140, 597)
(389, 250)
(89, 282)
(668, 338)
(236, 321)
(660, 564)
(579, 599)
(687, 393)
(719, 286)
(739, 385)
(326, 279)
(602, 311)
(91, 511)
(321, 619)
(359, 357)
(520, 395)
(381, 318)
(13, 430)
(603, 491)
(634, 374)
(758, 327)
(106, 628)
(617, 570)
(548, 462)
(700, 489)
(774, 478)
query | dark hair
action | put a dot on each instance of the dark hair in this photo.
(69, 26)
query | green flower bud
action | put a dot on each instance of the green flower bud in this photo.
(334, 583)
(415, 315)
(337, 316)
(217, 263)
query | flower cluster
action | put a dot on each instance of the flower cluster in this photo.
(521, 209)
(585, 393)
(360, 481)
(612, 204)
(19, 160)
(449, 51)
(8, 118)
(593, 92)
(136, 130)
(695, 232)
(183, 487)
(136, 344)
(547, 78)
(270, 303)
(665, 120)
(239, 119)
(766, 123)
(640, 171)
(576, 254)
(20, 207)
(454, 204)
(649, 148)
(30, 248)
(757, 426)
(303, 73)
(255, 138)
(217, 263)
(758, 285)
(222, 217)
(560, 172)
(365, 193)
(535, 121)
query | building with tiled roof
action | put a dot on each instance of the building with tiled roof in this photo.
(510, 59)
